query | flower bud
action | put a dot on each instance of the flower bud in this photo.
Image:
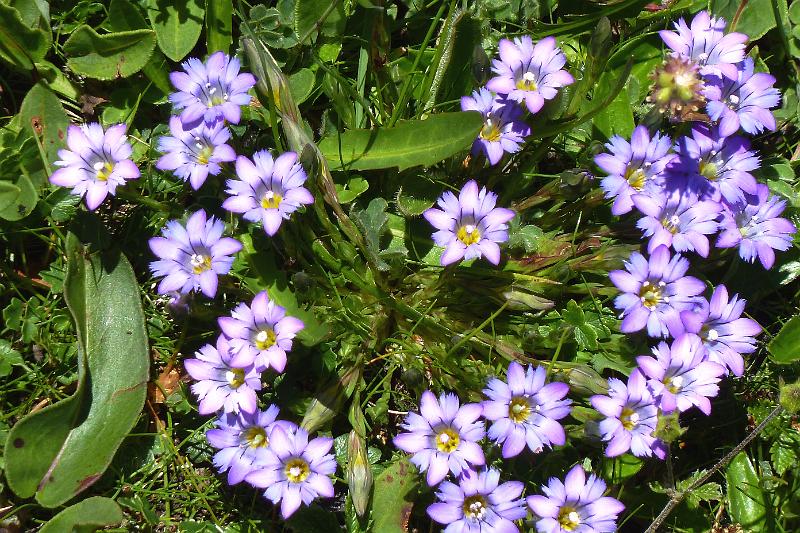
(677, 89)
(669, 427)
(585, 381)
(359, 473)
(328, 401)
(790, 398)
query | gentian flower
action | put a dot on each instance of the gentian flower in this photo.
(193, 154)
(479, 504)
(723, 331)
(743, 101)
(268, 191)
(443, 437)
(220, 384)
(528, 73)
(243, 441)
(716, 166)
(260, 334)
(503, 129)
(756, 228)
(212, 91)
(633, 167)
(297, 471)
(679, 376)
(191, 258)
(677, 220)
(631, 418)
(706, 43)
(470, 225)
(525, 411)
(96, 163)
(655, 291)
(576, 505)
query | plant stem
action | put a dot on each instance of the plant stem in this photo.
(678, 497)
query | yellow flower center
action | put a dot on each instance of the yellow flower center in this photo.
(103, 170)
(527, 82)
(468, 234)
(490, 131)
(650, 294)
(674, 384)
(568, 518)
(256, 437)
(265, 339)
(671, 223)
(709, 170)
(519, 409)
(271, 200)
(204, 155)
(200, 263)
(297, 470)
(629, 418)
(635, 177)
(474, 507)
(235, 377)
(447, 440)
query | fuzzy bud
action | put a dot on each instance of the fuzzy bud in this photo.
(790, 398)
(669, 427)
(359, 473)
(677, 88)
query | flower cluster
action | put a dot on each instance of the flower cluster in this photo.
(689, 191)
(444, 438)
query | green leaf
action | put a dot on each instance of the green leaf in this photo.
(355, 187)
(9, 358)
(785, 451)
(90, 514)
(393, 498)
(785, 346)
(177, 24)
(617, 118)
(308, 17)
(8, 194)
(529, 238)
(748, 505)
(110, 56)
(64, 448)
(21, 45)
(301, 84)
(756, 19)
(24, 203)
(416, 195)
(410, 143)
(219, 25)
(708, 492)
(43, 116)
(453, 76)
(618, 469)
(372, 223)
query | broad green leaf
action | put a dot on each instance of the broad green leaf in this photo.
(416, 195)
(308, 18)
(177, 24)
(62, 449)
(756, 19)
(219, 25)
(372, 223)
(110, 56)
(8, 194)
(44, 117)
(453, 76)
(410, 143)
(23, 204)
(785, 451)
(34, 13)
(393, 498)
(21, 45)
(301, 84)
(748, 505)
(355, 187)
(785, 346)
(617, 469)
(617, 117)
(90, 514)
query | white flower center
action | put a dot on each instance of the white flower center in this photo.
(713, 334)
(734, 99)
(529, 77)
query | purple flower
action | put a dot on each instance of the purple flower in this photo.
(633, 167)
(443, 437)
(212, 91)
(525, 410)
(528, 73)
(243, 441)
(193, 154)
(680, 377)
(503, 129)
(717, 166)
(96, 163)
(756, 228)
(706, 43)
(655, 291)
(631, 418)
(260, 334)
(677, 220)
(725, 334)
(191, 258)
(742, 101)
(478, 504)
(469, 226)
(576, 505)
(297, 471)
(268, 191)
(219, 383)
